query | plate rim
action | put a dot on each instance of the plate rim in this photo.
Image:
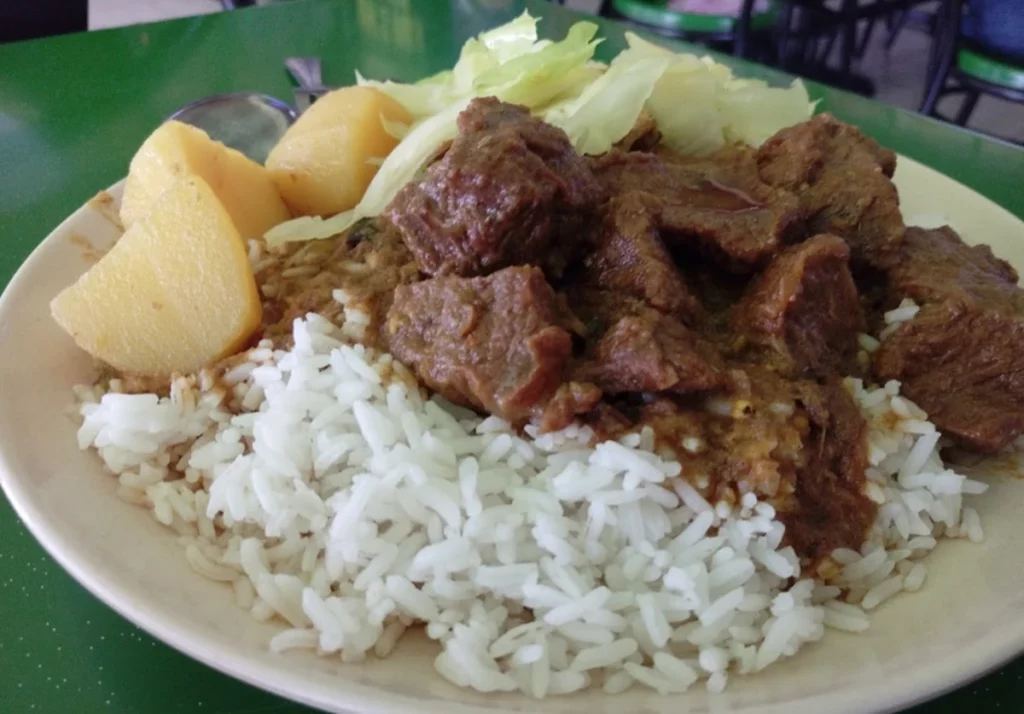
(1000, 645)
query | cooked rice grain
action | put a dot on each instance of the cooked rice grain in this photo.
(337, 499)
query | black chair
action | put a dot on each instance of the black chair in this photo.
(746, 34)
(972, 62)
(922, 19)
(24, 20)
(849, 23)
(799, 36)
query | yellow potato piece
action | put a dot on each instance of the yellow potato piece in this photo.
(175, 150)
(325, 161)
(175, 293)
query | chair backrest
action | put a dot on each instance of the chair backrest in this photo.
(995, 28)
(663, 16)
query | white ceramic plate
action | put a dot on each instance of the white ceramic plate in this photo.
(968, 618)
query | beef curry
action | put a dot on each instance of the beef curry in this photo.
(717, 300)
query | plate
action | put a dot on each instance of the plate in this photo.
(968, 619)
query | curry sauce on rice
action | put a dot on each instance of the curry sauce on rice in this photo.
(609, 419)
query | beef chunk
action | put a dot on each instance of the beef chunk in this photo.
(803, 311)
(631, 259)
(635, 348)
(962, 365)
(959, 357)
(829, 508)
(650, 352)
(571, 400)
(937, 265)
(509, 191)
(718, 205)
(842, 180)
(493, 343)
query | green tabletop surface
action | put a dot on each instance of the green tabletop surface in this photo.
(74, 109)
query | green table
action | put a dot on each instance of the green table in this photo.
(72, 112)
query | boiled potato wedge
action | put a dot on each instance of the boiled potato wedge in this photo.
(175, 150)
(325, 161)
(175, 293)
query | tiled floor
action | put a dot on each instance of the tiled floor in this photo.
(899, 74)
(115, 13)
(900, 77)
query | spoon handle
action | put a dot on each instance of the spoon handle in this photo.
(306, 71)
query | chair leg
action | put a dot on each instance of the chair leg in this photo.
(741, 40)
(827, 43)
(895, 28)
(969, 103)
(811, 39)
(848, 36)
(934, 91)
(866, 37)
(943, 55)
(783, 29)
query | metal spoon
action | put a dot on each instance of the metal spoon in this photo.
(247, 121)
(306, 71)
(251, 122)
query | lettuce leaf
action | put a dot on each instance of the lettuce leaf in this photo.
(699, 106)
(508, 62)
(535, 78)
(756, 111)
(512, 39)
(697, 103)
(684, 104)
(607, 109)
(401, 166)
(420, 99)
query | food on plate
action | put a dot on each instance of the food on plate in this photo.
(509, 190)
(175, 293)
(590, 403)
(804, 311)
(720, 200)
(494, 343)
(324, 162)
(697, 105)
(957, 356)
(841, 179)
(175, 150)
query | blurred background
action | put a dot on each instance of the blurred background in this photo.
(959, 60)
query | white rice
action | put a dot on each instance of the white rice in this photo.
(894, 319)
(342, 502)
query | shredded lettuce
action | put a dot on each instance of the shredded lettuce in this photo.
(396, 129)
(756, 111)
(697, 103)
(400, 167)
(420, 99)
(699, 106)
(512, 39)
(535, 78)
(508, 62)
(607, 109)
(684, 105)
